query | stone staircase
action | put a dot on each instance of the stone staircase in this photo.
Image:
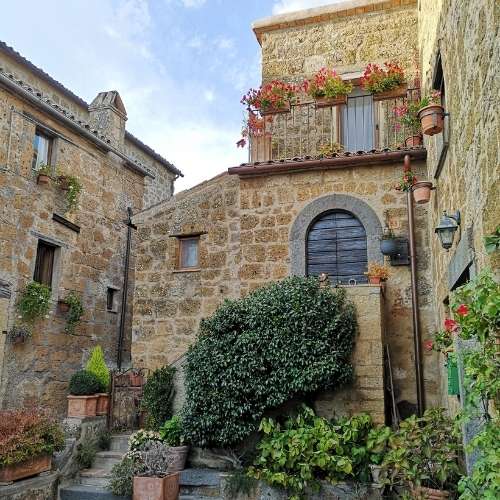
(92, 484)
(200, 484)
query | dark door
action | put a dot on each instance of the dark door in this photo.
(336, 245)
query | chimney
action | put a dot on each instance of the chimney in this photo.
(108, 115)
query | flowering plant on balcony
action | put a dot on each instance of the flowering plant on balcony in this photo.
(327, 84)
(376, 79)
(433, 98)
(276, 95)
(407, 116)
(254, 126)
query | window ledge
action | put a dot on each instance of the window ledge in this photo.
(187, 270)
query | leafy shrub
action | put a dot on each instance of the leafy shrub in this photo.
(84, 383)
(103, 440)
(171, 432)
(75, 311)
(424, 452)
(158, 396)
(239, 483)
(97, 365)
(284, 340)
(308, 448)
(34, 302)
(27, 433)
(122, 476)
(86, 453)
(155, 459)
(137, 440)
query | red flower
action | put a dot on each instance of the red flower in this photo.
(450, 325)
(462, 310)
(428, 345)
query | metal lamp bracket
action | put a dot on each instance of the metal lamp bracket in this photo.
(402, 257)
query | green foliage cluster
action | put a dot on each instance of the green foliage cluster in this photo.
(287, 339)
(84, 383)
(75, 311)
(307, 448)
(73, 189)
(171, 432)
(34, 302)
(97, 365)
(86, 452)
(492, 241)
(158, 396)
(26, 434)
(425, 452)
(122, 476)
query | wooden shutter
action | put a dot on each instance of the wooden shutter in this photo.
(336, 245)
(44, 265)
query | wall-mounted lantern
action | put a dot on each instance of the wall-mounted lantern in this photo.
(446, 229)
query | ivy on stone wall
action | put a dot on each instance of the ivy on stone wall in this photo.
(282, 341)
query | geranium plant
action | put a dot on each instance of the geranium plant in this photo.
(407, 116)
(376, 79)
(253, 126)
(377, 271)
(407, 180)
(275, 95)
(327, 84)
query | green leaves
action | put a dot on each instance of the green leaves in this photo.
(34, 302)
(97, 365)
(158, 396)
(284, 340)
(75, 311)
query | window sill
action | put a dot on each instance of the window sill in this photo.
(112, 311)
(187, 270)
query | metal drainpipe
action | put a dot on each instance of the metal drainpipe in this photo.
(414, 297)
(123, 310)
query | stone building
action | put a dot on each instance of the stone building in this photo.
(82, 250)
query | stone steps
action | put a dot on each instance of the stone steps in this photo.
(199, 484)
(106, 459)
(119, 442)
(87, 492)
(95, 477)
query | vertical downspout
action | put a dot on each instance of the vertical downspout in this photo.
(123, 310)
(414, 297)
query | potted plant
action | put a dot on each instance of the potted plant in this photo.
(82, 399)
(377, 273)
(27, 440)
(72, 306)
(421, 191)
(44, 174)
(384, 83)
(271, 98)
(431, 114)
(152, 480)
(97, 365)
(327, 88)
(407, 180)
(407, 117)
(171, 433)
(388, 243)
(71, 185)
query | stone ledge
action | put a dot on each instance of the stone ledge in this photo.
(36, 488)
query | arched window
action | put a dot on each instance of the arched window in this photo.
(337, 245)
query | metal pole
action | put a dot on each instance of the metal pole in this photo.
(123, 310)
(414, 297)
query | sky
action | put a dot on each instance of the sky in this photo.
(180, 66)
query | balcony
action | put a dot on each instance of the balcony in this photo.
(363, 124)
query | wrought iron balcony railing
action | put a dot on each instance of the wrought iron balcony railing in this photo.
(362, 124)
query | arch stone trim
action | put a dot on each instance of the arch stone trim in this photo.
(311, 211)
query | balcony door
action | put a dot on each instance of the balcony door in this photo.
(358, 122)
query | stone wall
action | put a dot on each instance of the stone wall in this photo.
(466, 35)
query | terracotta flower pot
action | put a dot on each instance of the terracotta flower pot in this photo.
(328, 102)
(82, 406)
(30, 467)
(156, 488)
(414, 140)
(430, 494)
(179, 456)
(275, 111)
(391, 94)
(63, 182)
(374, 280)
(102, 403)
(422, 192)
(136, 379)
(431, 119)
(43, 179)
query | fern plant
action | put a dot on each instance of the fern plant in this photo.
(97, 365)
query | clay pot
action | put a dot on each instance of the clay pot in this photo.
(391, 94)
(42, 179)
(389, 246)
(179, 456)
(102, 403)
(431, 119)
(328, 102)
(430, 494)
(63, 182)
(422, 192)
(82, 406)
(30, 467)
(414, 140)
(276, 111)
(156, 488)
(374, 280)
(136, 379)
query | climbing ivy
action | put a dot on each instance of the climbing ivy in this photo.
(285, 340)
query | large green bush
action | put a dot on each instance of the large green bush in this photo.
(158, 396)
(285, 340)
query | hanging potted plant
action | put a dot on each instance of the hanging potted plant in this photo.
(384, 83)
(388, 243)
(421, 191)
(44, 174)
(377, 273)
(72, 306)
(431, 114)
(18, 334)
(83, 389)
(172, 434)
(327, 88)
(271, 98)
(407, 180)
(407, 118)
(71, 185)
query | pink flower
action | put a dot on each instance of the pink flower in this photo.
(462, 310)
(450, 325)
(428, 345)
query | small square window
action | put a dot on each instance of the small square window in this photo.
(44, 265)
(188, 252)
(111, 295)
(42, 149)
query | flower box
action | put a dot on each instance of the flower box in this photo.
(431, 119)
(30, 467)
(156, 488)
(82, 406)
(276, 111)
(329, 102)
(102, 403)
(43, 179)
(394, 93)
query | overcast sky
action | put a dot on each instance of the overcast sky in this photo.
(180, 66)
